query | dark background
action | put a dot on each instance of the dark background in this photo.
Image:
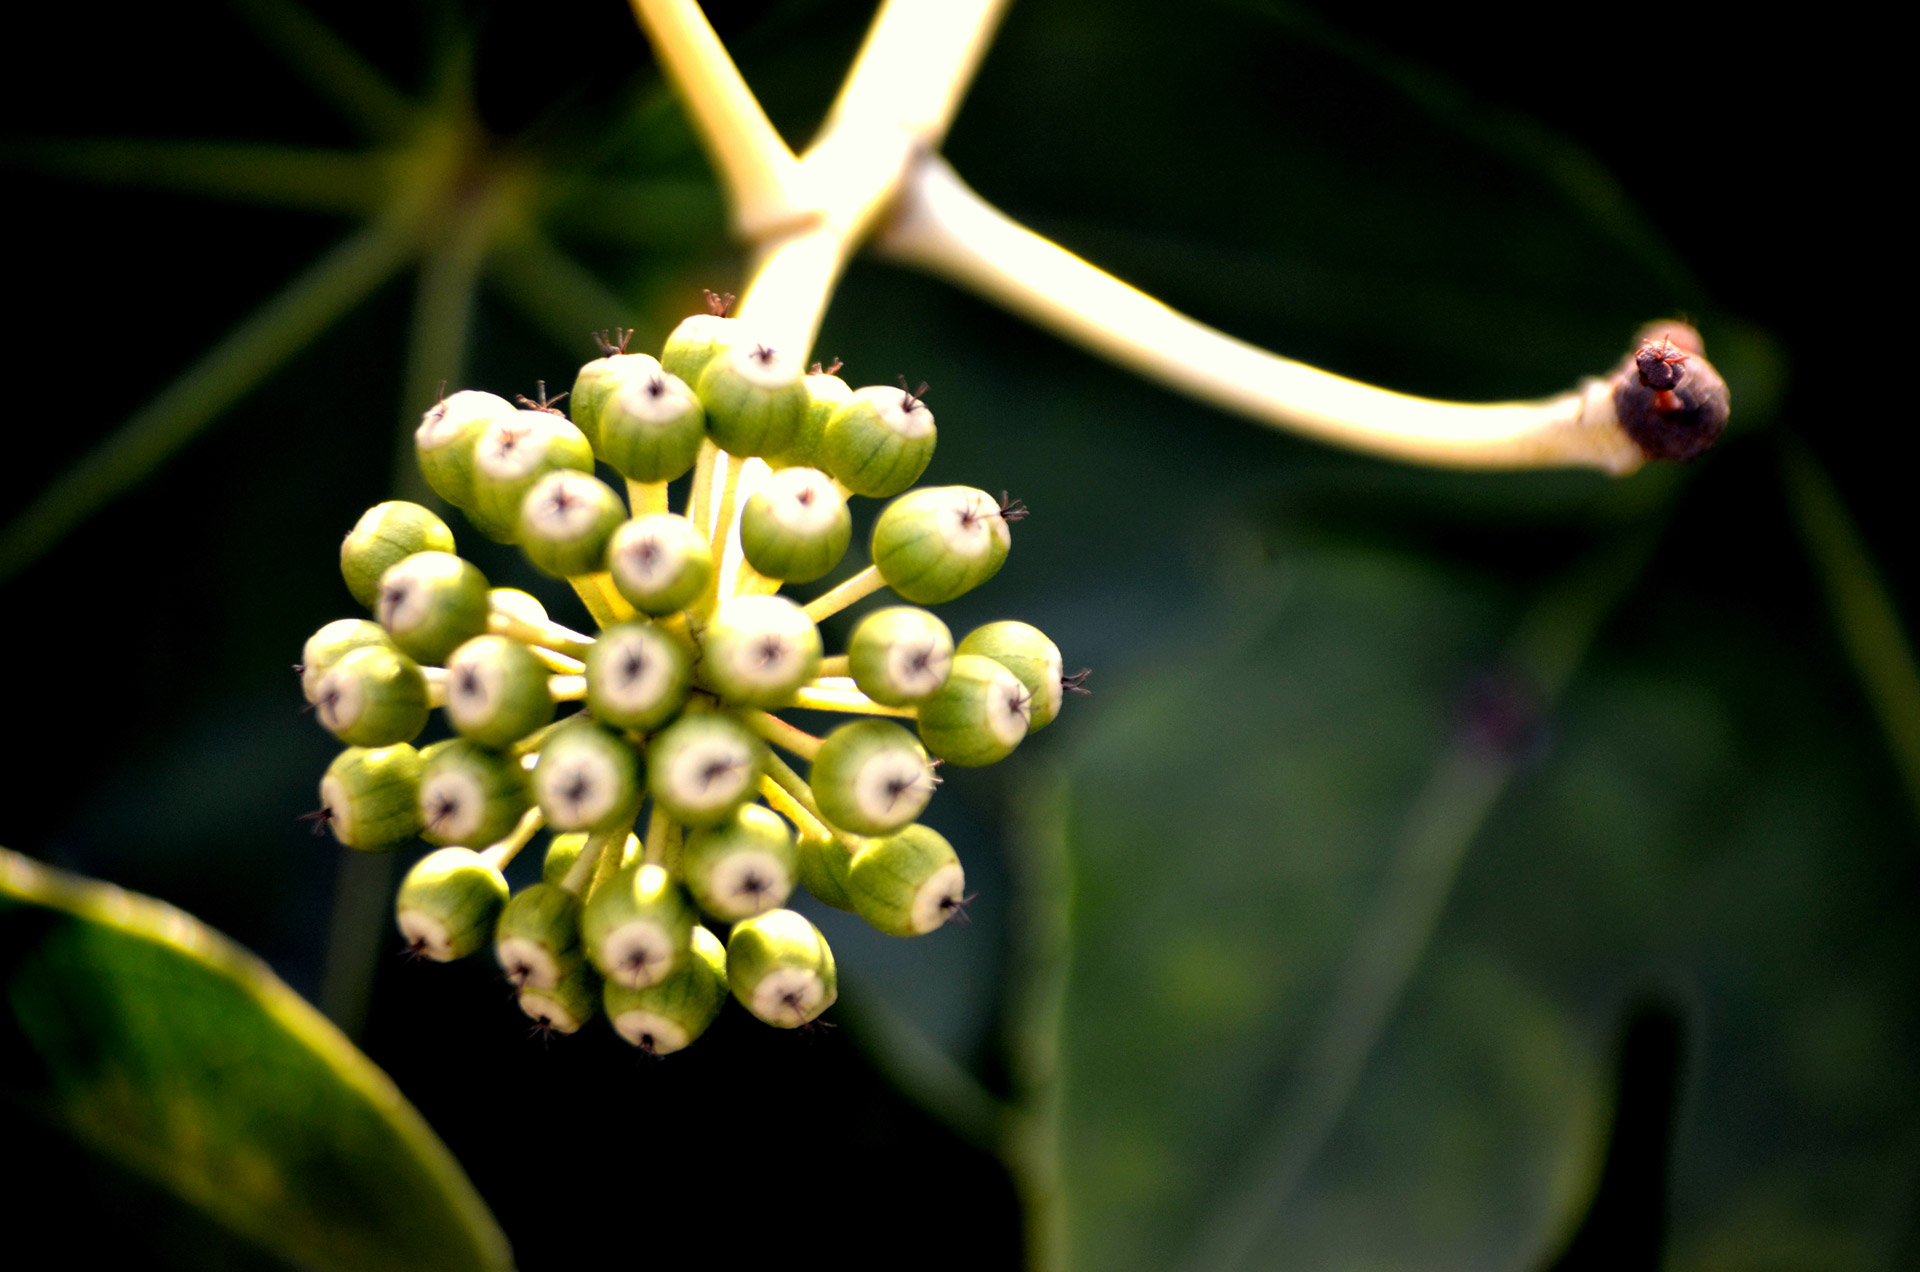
(159, 742)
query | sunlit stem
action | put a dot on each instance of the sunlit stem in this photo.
(660, 828)
(860, 586)
(942, 226)
(781, 802)
(835, 665)
(559, 664)
(782, 734)
(567, 688)
(793, 784)
(851, 701)
(646, 497)
(549, 634)
(756, 167)
(531, 744)
(500, 855)
(701, 492)
(594, 599)
(436, 678)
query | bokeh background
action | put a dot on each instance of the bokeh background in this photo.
(1450, 870)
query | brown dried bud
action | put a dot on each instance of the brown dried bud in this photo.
(1668, 397)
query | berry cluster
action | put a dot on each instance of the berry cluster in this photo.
(678, 689)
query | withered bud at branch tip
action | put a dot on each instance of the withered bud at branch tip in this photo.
(1668, 397)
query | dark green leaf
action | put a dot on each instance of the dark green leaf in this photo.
(170, 1050)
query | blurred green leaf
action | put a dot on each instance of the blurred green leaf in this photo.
(178, 1055)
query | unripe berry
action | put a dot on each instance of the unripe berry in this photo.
(597, 381)
(566, 519)
(907, 884)
(510, 456)
(449, 903)
(565, 1006)
(978, 716)
(538, 937)
(651, 426)
(431, 603)
(387, 533)
(587, 778)
(826, 393)
(938, 542)
(661, 1019)
(742, 867)
(753, 398)
(879, 442)
(372, 696)
(637, 925)
(692, 344)
(780, 968)
(796, 526)
(468, 794)
(370, 797)
(824, 861)
(660, 563)
(900, 655)
(332, 643)
(497, 691)
(702, 767)
(445, 440)
(637, 676)
(759, 649)
(1024, 650)
(871, 777)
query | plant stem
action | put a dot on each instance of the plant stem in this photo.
(850, 701)
(834, 665)
(942, 226)
(860, 586)
(646, 497)
(781, 802)
(500, 855)
(567, 688)
(755, 166)
(782, 734)
(549, 635)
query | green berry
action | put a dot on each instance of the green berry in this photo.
(587, 779)
(742, 867)
(510, 456)
(661, 1019)
(652, 425)
(759, 649)
(871, 777)
(907, 884)
(880, 441)
(693, 343)
(566, 519)
(636, 927)
(431, 603)
(566, 1005)
(537, 939)
(449, 903)
(753, 398)
(596, 382)
(369, 797)
(387, 533)
(702, 767)
(332, 643)
(796, 526)
(824, 863)
(468, 794)
(445, 440)
(637, 676)
(660, 563)
(780, 968)
(562, 851)
(497, 691)
(1024, 650)
(372, 696)
(939, 542)
(978, 716)
(826, 393)
(900, 655)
